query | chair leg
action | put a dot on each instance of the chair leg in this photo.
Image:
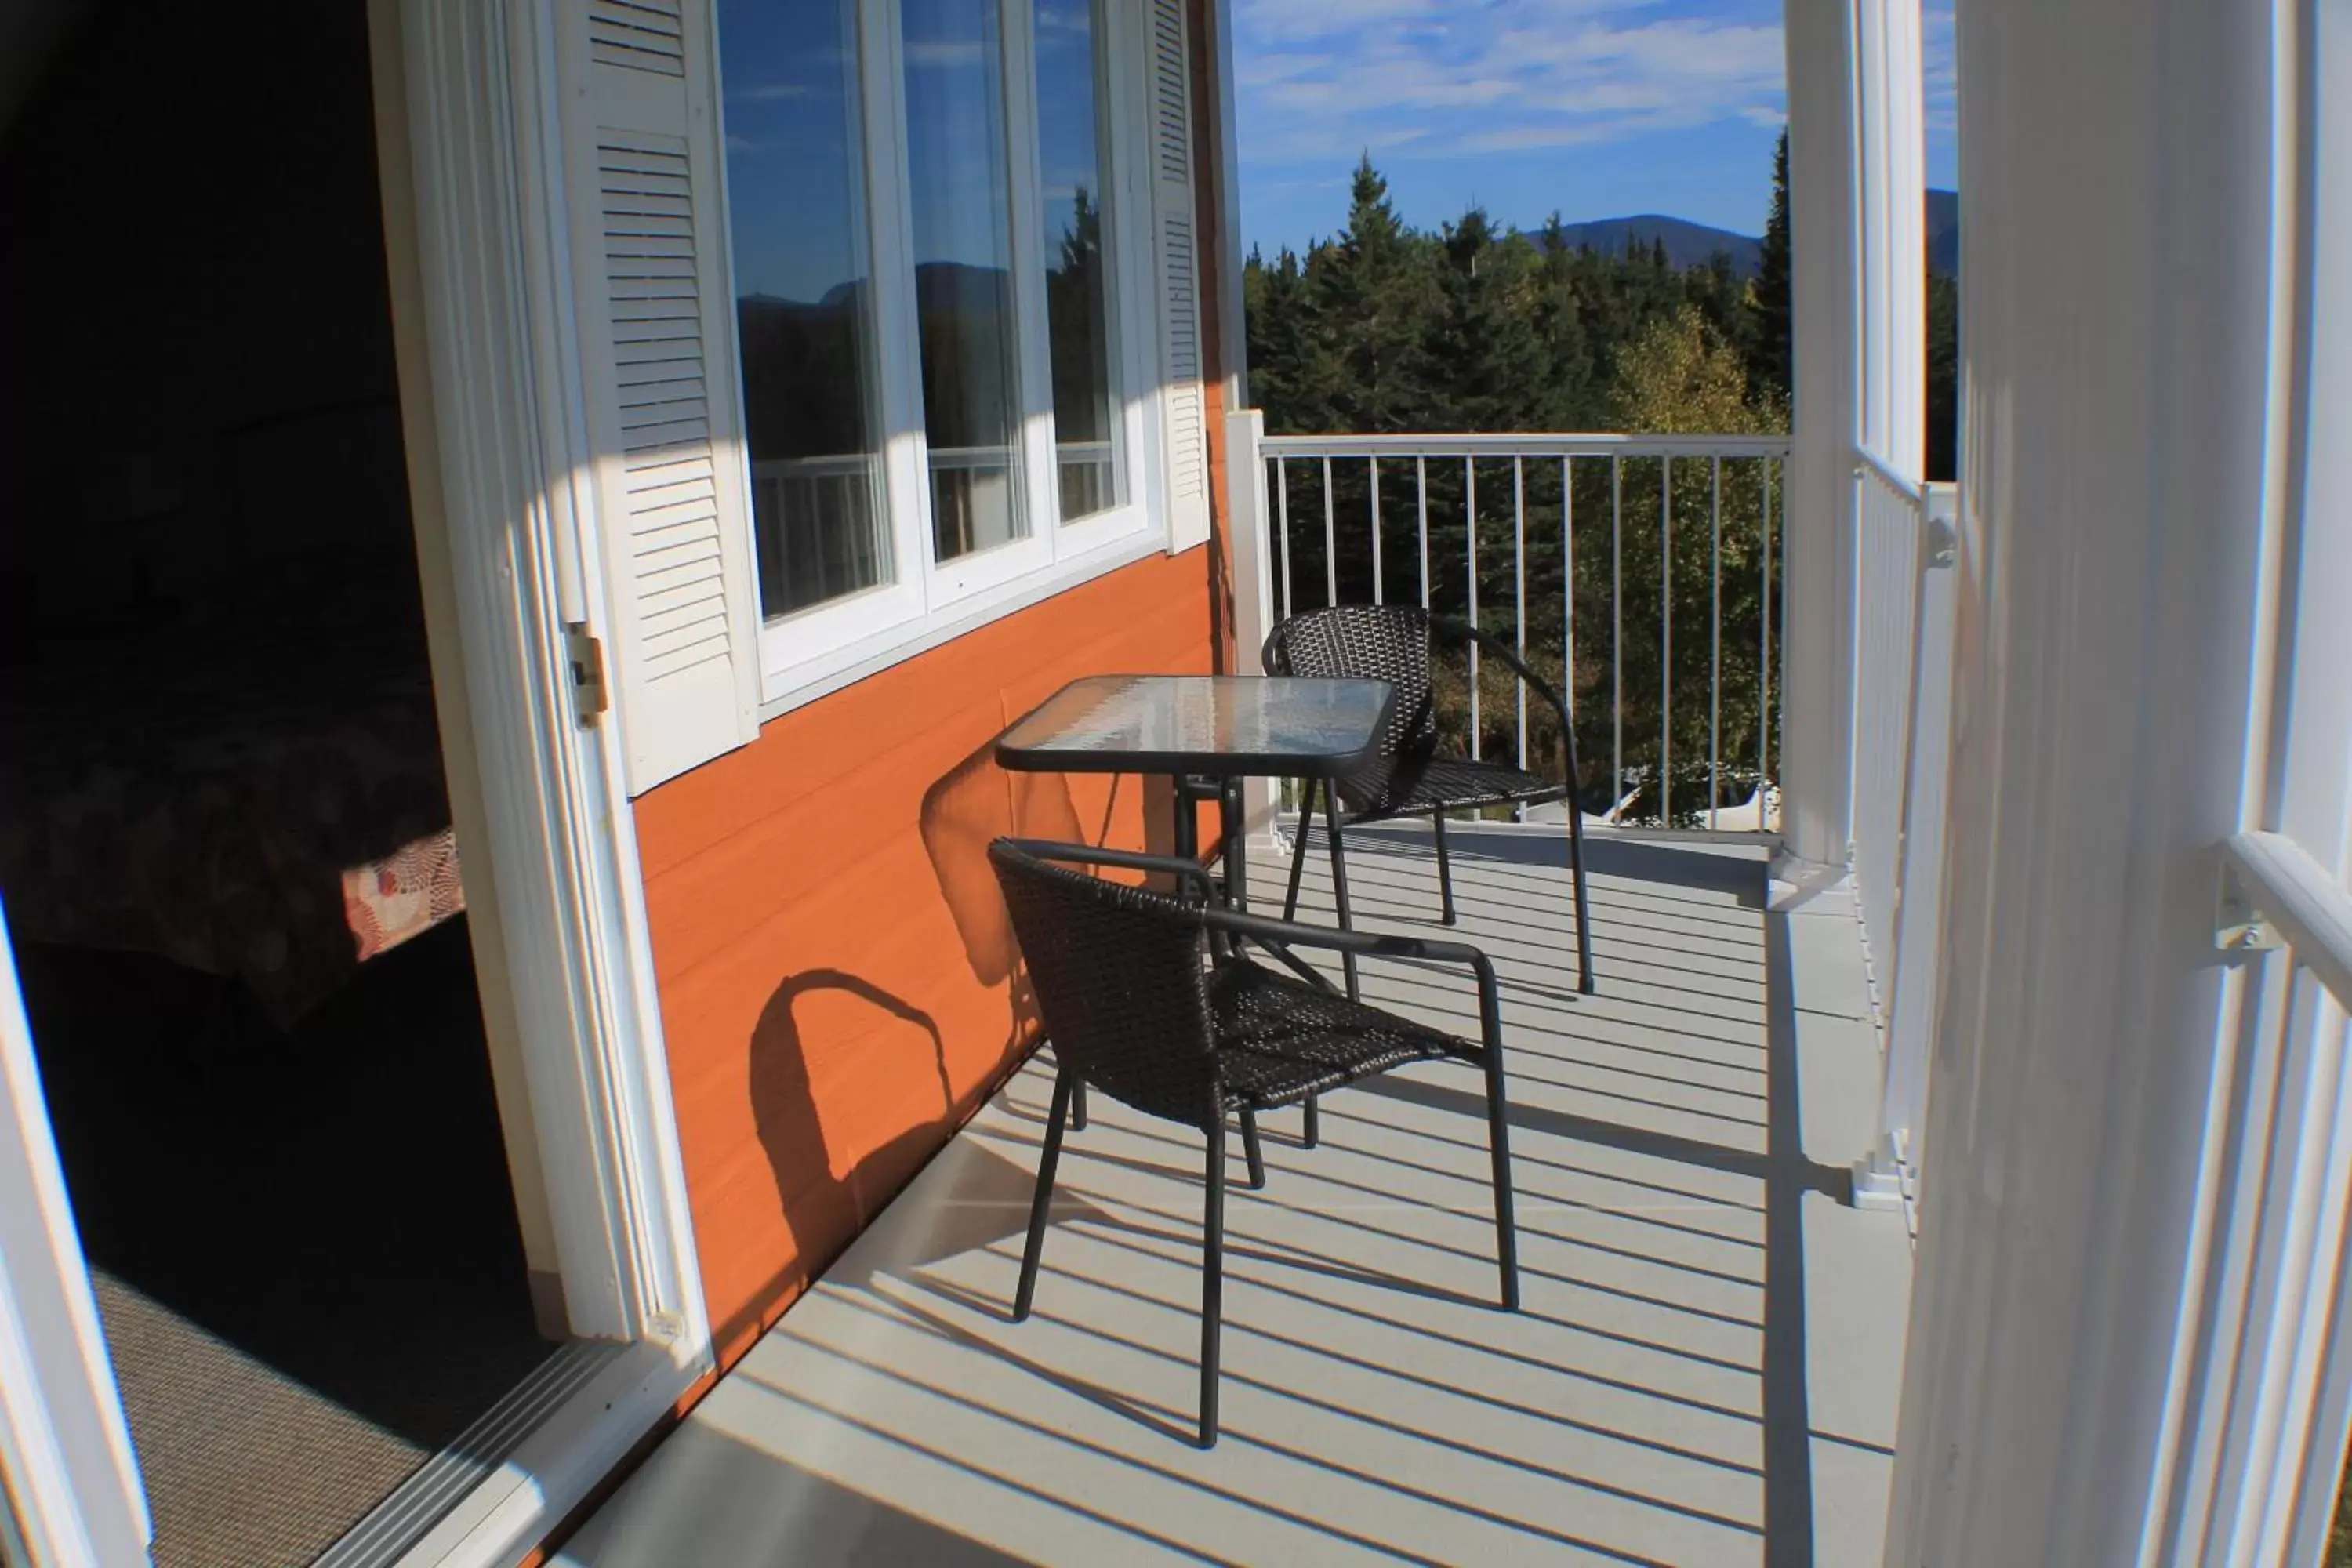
(1314, 1122)
(1444, 871)
(1339, 884)
(1043, 1200)
(1250, 1148)
(1212, 1282)
(1299, 853)
(1499, 1143)
(1078, 1106)
(1583, 907)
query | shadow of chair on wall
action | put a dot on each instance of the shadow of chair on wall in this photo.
(827, 1195)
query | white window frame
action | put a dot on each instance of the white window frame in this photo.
(818, 650)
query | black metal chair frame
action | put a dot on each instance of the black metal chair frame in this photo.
(1412, 737)
(1192, 1046)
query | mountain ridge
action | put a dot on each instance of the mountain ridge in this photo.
(1691, 243)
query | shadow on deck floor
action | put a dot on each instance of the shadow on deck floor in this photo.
(1702, 1371)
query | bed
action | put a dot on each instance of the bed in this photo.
(254, 790)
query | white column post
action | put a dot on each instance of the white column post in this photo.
(1252, 545)
(1892, 218)
(1824, 323)
(2129, 337)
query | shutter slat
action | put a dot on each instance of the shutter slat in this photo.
(637, 35)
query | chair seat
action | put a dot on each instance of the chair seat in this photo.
(1280, 1040)
(1442, 783)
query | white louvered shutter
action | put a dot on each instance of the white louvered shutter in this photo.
(1183, 399)
(643, 178)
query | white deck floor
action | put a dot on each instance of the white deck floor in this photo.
(1703, 1370)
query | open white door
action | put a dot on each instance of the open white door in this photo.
(64, 1451)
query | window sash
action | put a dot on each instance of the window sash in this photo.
(806, 651)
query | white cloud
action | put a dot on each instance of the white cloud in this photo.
(1325, 78)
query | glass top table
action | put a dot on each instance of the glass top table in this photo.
(1222, 726)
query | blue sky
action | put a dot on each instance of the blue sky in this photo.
(1597, 108)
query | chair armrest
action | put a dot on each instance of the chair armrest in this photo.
(1488, 643)
(1276, 934)
(1191, 871)
(1461, 632)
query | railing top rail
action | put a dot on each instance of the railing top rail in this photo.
(1911, 490)
(2311, 909)
(1547, 445)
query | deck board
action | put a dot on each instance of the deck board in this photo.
(1679, 1386)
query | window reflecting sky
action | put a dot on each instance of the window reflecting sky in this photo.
(788, 95)
(790, 90)
(1066, 114)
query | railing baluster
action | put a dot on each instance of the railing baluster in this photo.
(1715, 650)
(1665, 642)
(1282, 534)
(1780, 738)
(1330, 542)
(1568, 604)
(1520, 567)
(1727, 460)
(1421, 486)
(1764, 647)
(1616, 632)
(1470, 539)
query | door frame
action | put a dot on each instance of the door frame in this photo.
(492, 412)
(489, 406)
(72, 1492)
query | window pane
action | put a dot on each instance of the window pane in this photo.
(959, 190)
(1078, 301)
(796, 197)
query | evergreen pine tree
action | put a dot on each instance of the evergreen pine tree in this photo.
(1769, 356)
(1370, 297)
(1485, 350)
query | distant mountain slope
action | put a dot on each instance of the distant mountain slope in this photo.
(1692, 244)
(1688, 244)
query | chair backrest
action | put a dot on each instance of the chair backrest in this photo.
(1121, 983)
(1367, 642)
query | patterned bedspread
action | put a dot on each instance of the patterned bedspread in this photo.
(250, 799)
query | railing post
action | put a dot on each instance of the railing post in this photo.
(1251, 545)
(1818, 526)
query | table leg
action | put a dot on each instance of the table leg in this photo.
(1231, 824)
(1184, 828)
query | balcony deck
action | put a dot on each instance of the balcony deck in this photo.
(1703, 1370)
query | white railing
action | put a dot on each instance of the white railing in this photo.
(819, 531)
(1901, 707)
(2272, 1369)
(1640, 567)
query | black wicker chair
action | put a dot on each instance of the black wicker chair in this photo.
(1148, 999)
(1408, 776)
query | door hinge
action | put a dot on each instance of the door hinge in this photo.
(2238, 925)
(586, 654)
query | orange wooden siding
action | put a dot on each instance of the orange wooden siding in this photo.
(832, 958)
